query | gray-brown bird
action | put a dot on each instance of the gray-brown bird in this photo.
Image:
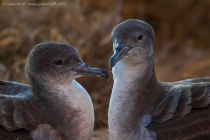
(53, 106)
(144, 108)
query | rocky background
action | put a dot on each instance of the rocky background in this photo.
(182, 38)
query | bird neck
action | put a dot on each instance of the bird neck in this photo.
(78, 112)
(73, 105)
(133, 96)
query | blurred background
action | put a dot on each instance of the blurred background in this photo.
(182, 38)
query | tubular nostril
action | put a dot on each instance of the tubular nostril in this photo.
(85, 65)
(119, 48)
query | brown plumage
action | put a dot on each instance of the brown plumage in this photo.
(143, 107)
(20, 134)
(54, 106)
(187, 107)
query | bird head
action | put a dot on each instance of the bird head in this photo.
(132, 41)
(58, 61)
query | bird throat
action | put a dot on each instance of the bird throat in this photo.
(132, 86)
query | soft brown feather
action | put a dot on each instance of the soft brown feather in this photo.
(184, 112)
(19, 134)
(194, 124)
(15, 111)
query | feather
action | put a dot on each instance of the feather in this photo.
(191, 118)
(12, 117)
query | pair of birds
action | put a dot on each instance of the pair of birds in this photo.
(55, 107)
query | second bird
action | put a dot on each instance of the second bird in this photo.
(144, 108)
(53, 106)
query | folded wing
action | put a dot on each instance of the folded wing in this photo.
(17, 110)
(183, 111)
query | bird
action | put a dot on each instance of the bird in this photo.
(145, 108)
(53, 106)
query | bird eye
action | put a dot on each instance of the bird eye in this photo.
(58, 62)
(140, 37)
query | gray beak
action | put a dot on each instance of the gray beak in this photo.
(121, 51)
(84, 69)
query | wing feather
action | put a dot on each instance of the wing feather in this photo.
(20, 134)
(16, 110)
(183, 111)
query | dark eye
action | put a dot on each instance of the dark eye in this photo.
(140, 37)
(58, 62)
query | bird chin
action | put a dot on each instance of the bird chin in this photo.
(77, 76)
